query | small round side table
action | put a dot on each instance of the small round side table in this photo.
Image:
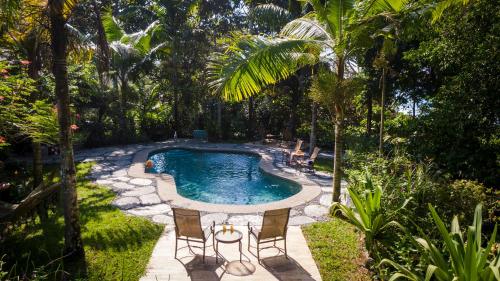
(227, 237)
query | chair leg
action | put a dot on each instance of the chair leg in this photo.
(203, 252)
(249, 241)
(286, 255)
(258, 252)
(175, 255)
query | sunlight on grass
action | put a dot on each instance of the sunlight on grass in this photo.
(117, 246)
(337, 250)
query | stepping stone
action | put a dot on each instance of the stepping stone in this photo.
(150, 199)
(316, 211)
(326, 200)
(138, 191)
(300, 220)
(327, 189)
(146, 211)
(104, 182)
(244, 219)
(120, 173)
(126, 203)
(219, 218)
(294, 213)
(122, 186)
(125, 179)
(163, 219)
(139, 181)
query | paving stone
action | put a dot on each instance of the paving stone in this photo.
(163, 219)
(244, 219)
(146, 211)
(219, 218)
(150, 199)
(300, 220)
(327, 189)
(125, 203)
(104, 182)
(138, 191)
(294, 213)
(122, 187)
(315, 211)
(125, 179)
(139, 181)
(120, 173)
(326, 200)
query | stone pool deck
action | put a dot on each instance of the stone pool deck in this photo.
(142, 196)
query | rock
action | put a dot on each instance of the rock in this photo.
(122, 186)
(125, 179)
(244, 219)
(300, 220)
(104, 182)
(326, 200)
(138, 191)
(150, 199)
(120, 173)
(139, 181)
(219, 218)
(125, 203)
(163, 219)
(315, 211)
(146, 211)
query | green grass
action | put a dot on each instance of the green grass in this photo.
(337, 250)
(117, 247)
(324, 164)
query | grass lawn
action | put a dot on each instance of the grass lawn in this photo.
(324, 164)
(117, 246)
(337, 250)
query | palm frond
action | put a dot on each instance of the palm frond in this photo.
(306, 27)
(254, 62)
(337, 11)
(270, 15)
(111, 27)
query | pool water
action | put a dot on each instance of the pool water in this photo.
(221, 177)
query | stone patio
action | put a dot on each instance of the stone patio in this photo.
(139, 196)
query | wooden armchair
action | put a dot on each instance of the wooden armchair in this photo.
(188, 228)
(274, 228)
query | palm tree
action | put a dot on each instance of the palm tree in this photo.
(327, 35)
(59, 12)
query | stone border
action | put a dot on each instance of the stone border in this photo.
(167, 190)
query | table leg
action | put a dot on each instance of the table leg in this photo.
(240, 250)
(216, 252)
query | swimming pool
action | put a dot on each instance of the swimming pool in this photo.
(221, 177)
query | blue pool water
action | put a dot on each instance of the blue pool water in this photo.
(221, 177)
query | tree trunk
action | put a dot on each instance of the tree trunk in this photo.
(369, 112)
(312, 135)
(102, 53)
(339, 122)
(382, 110)
(219, 119)
(73, 245)
(123, 110)
(38, 176)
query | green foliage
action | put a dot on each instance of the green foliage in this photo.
(337, 250)
(367, 215)
(462, 259)
(117, 246)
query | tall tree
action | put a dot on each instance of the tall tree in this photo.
(58, 12)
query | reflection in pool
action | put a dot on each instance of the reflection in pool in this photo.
(221, 177)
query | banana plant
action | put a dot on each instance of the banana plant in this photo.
(368, 216)
(461, 260)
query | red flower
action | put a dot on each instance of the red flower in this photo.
(3, 139)
(2, 98)
(149, 164)
(25, 62)
(74, 127)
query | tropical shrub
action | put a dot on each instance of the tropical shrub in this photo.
(368, 216)
(458, 258)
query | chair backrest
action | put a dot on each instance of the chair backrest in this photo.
(274, 223)
(315, 153)
(298, 145)
(187, 223)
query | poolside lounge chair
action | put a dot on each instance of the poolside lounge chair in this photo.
(309, 162)
(274, 228)
(188, 228)
(289, 154)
